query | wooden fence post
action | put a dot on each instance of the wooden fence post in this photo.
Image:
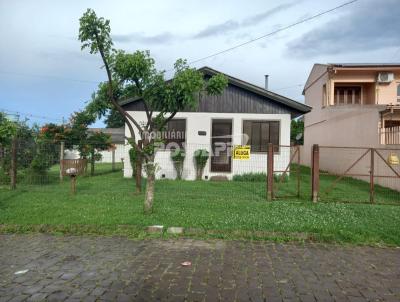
(62, 146)
(270, 173)
(113, 159)
(314, 173)
(13, 168)
(371, 177)
(298, 171)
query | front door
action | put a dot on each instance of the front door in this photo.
(221, 145)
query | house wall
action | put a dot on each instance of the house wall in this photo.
(383, 94)
(106, 156)
(202, 121)
(346, 125)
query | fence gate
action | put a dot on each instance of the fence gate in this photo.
(286, 171)
(356, 174)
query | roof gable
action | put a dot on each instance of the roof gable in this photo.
(239, 97)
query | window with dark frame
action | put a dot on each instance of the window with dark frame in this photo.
(261, 133)
(347, 95)
(324, 96)
(175, 133)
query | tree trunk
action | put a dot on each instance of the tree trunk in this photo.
(92, 164)
(138, 168)
(151, 171)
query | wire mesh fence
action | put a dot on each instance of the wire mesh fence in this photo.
(287, 172)
(219, 178)
(201, 171)
(41, 165)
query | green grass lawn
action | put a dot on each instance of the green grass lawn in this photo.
(106, 204)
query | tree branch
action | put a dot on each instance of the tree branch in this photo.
(126, 116)
(168, 119)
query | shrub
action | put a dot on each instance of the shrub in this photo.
(132, 159)
(252, 177)
(178, 157)
(38, 169)
(258, 177)
(201, 158)
(277, 178)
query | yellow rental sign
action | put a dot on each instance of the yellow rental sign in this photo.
(241, 152)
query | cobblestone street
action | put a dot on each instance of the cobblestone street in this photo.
(118, 269)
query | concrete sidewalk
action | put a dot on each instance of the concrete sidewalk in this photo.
(117, 269)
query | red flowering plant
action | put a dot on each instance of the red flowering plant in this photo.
(52, 132)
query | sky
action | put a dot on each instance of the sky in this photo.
(45, 76)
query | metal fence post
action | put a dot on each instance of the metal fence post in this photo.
(270, 173)
(371, 177)
(314, 173)
(13, 168)
(62, 146)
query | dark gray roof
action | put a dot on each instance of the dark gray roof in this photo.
(261, 91)
(294, 107)
(117, 134)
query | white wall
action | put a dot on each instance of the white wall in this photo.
(202, 121)
(106, 156)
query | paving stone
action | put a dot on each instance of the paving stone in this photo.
(155, 229)
(72, 268)
(175, 230)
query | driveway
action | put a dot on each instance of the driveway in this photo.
(118, 269)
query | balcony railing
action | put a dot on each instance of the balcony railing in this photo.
(390, 136)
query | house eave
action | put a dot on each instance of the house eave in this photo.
(292, 104)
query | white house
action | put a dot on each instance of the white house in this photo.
(107, 156)
(244, 114)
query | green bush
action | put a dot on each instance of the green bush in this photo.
(252, 177)
(4, 176)
(277, 178)
(178, 157)
(39, 168)
(258, 177)
(201, 157)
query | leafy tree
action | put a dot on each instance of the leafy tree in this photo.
(114, 119)
(133, 75)
(95, 143)
(8, 129)
(76, 135)
(297, 128)
(29, 148)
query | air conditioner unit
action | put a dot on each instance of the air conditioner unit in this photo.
(385, 77)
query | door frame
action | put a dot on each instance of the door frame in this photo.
(227, 119)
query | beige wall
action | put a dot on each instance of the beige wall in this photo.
(345, 125)
(381, 93)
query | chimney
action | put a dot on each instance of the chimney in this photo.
(266, 82)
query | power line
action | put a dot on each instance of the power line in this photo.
(273, 32)
(206, 57)
(18, 113)
(288, 87)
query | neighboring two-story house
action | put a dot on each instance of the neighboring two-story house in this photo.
(353, 105)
